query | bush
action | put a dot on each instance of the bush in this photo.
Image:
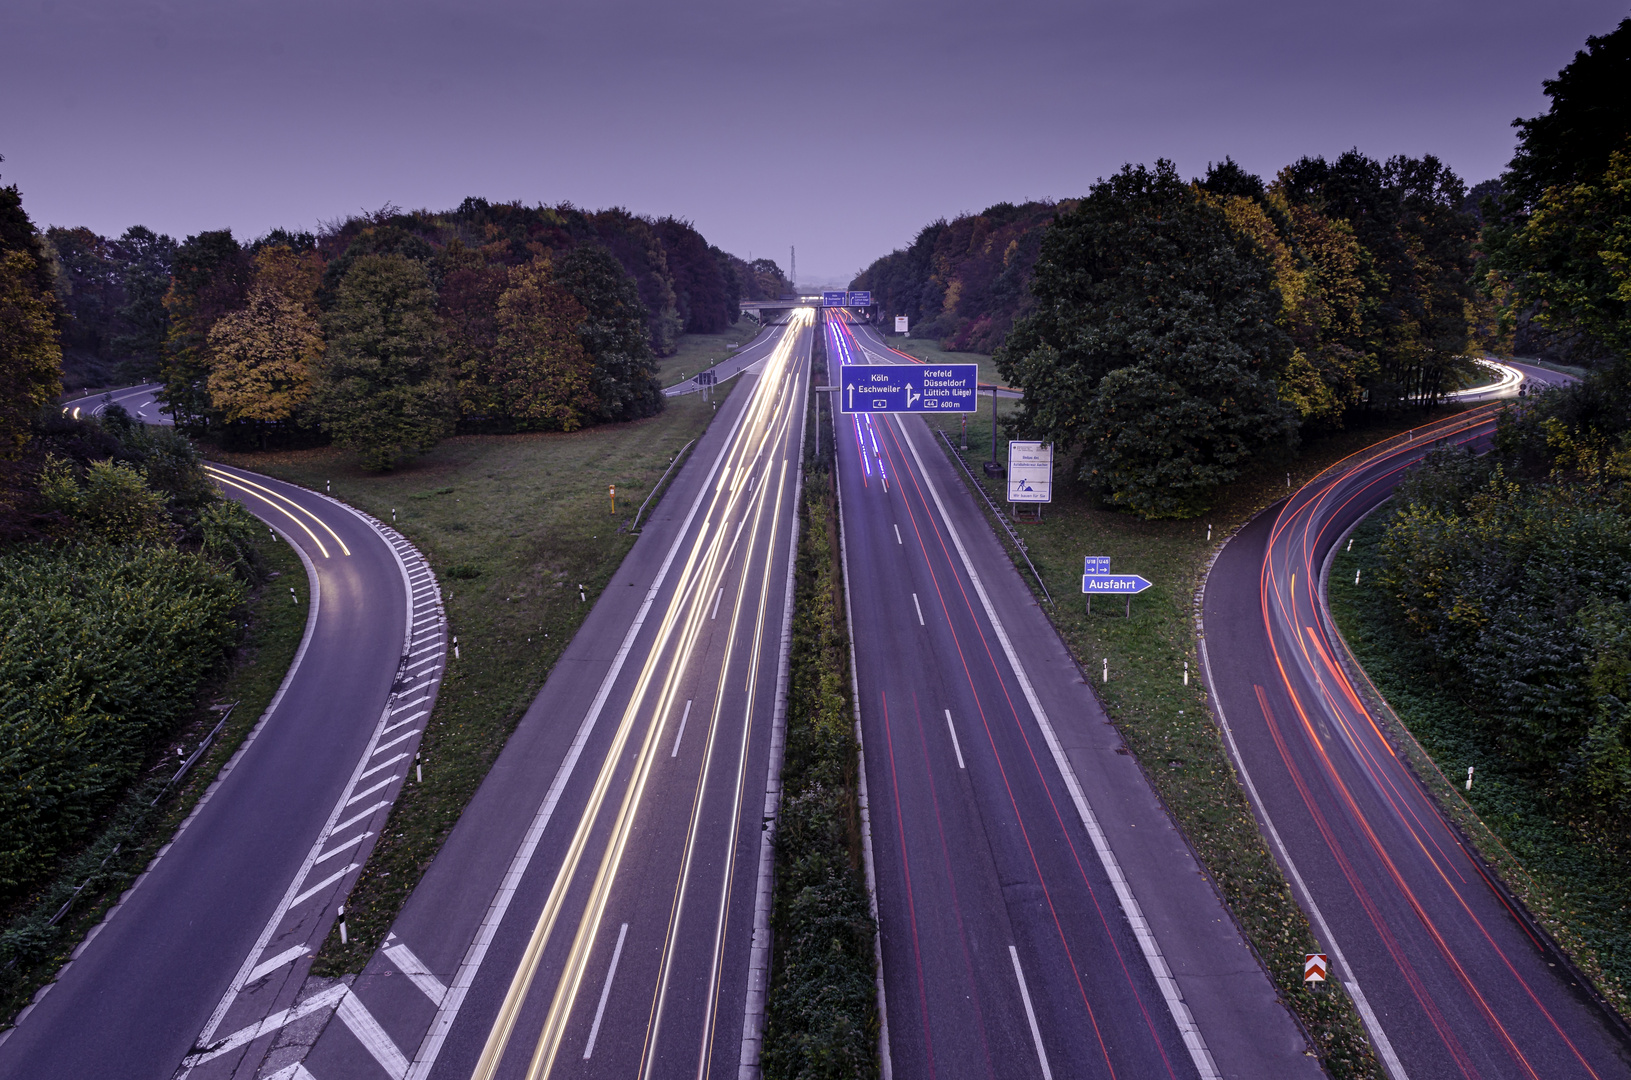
(104, 650)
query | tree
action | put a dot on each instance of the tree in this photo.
(142, 323)
(263, 357)
(613, 333)
(1588, 120)
(699, 282)
(1152, 349)
(30, 358)
(210, 277)
(539, 367)
(468, 304)
(384, 390)
(1559, 243)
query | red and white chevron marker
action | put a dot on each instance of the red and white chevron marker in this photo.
(1315, 965)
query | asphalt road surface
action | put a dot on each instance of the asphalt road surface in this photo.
(1451, 976)
(593, 913)
(1040, 915)
(138, 401)
(217, 934)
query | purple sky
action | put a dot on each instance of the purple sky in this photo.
(842, 127)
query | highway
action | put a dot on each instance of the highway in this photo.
(1451, 977)
(217, 934)
(594, 911)
(139, 401)
(1039, 914)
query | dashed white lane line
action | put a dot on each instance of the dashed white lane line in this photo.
(898, 540)
(919, 607)
(416, 971)
(431, 659)
(347, 846)
(1030, 1014)
(680, 734)
(372, 1036)
(321, 885)
(266, 967)
(408, 705)
(605, 992)
(717, 599)
(955, 745)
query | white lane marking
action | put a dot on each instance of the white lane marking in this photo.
(386, 764)
(605, 992)
(409, 705)
(430, 678)
(680, 734)
(361, 795)
(919, 607)
(1390, 1059)
(955, 745)
(717, 599)
(393, 742)
(347, 846)
(1187, 1028)
(321, 885)
(277, 1020)
(409, 720)
(417, 973)
(372, 1036)
(431, 659)
(1030, 1014)
(431, 1046)
(898, 540)
(348, 822)
(297, 1071)
(266, 967)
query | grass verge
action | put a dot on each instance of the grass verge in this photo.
(1167, 724)
(513, 525)
(822, 1009)
(1574, 876)
(697, 351)
(93, 879)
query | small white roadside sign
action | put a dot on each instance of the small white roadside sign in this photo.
(900, 324)
(1030, 472)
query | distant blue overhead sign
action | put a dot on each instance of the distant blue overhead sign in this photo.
(1095, 564)
(1113, 583)
(908, 388)
(860, 299)
(833, 299)
(846, 299)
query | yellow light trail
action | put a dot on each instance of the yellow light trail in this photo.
(763, 425)
(239, 481)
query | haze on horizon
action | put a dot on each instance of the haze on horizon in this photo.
(841, 128)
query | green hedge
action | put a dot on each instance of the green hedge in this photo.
(822, 1014)
(104, 650)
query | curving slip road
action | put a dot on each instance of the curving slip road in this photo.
(1450, 975)
(216, 935)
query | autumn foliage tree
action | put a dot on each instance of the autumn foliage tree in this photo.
(30, 352)
(540, 370)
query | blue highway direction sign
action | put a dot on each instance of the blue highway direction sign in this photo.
(833, 299)
(1113, 583)
(1095, 564)
(860, 299)
(908, 388)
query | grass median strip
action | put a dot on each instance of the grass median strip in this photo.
(522, 534)
(91, 880)
(1166, 724)
(822, 1010)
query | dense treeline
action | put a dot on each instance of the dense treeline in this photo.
(1514, 571)
(1169, 333)
(489, 317)
(963, 282)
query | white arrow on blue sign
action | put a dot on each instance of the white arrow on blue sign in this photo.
(1095, 564)
(1113, 583)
